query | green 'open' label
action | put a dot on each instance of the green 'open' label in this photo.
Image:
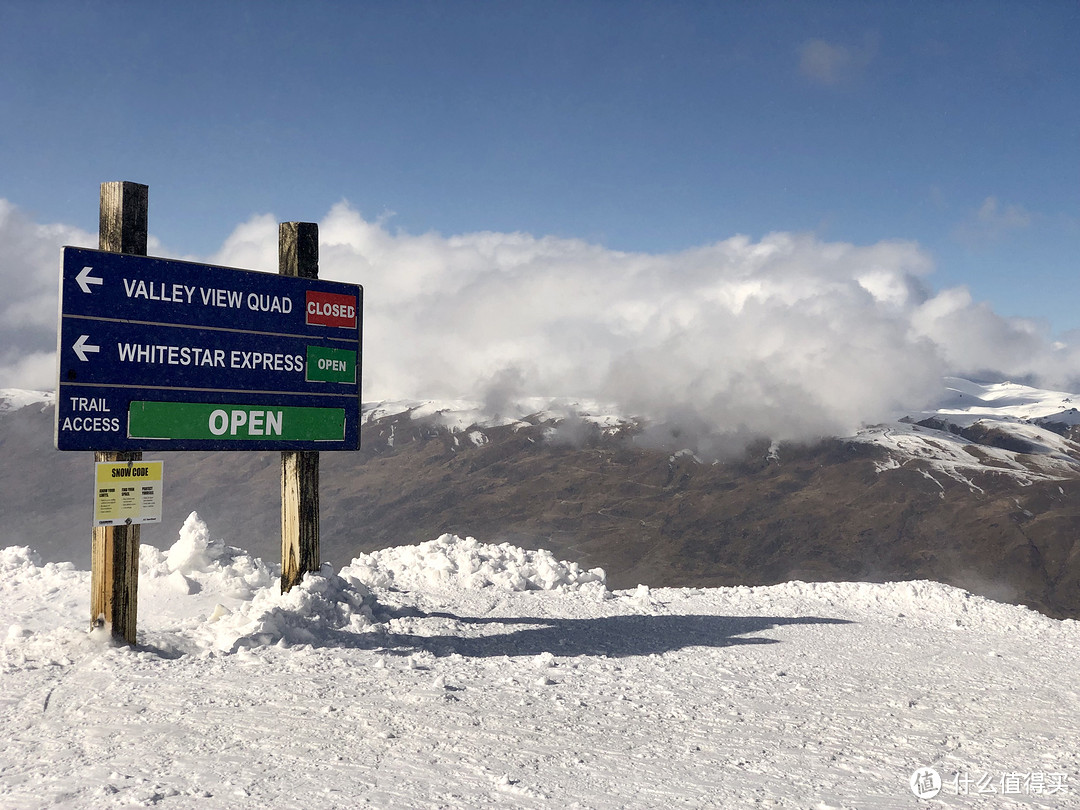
(191, 420)
(330, 365)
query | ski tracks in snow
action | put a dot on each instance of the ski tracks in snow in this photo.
(799, 695)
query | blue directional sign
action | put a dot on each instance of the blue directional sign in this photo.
(156, 354)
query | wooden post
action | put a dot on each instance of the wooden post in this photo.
(114, 564)
(298, 255)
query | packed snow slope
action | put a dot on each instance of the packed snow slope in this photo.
(459, 674)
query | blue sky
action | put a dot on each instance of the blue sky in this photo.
(651, 127)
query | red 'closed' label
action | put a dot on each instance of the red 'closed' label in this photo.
(331, 309)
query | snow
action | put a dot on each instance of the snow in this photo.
(457, 673)
(1017, 411)
(12, 399)
(465, 416)
(974, 400)
(451, 561)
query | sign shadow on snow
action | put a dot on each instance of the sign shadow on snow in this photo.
(613, 636)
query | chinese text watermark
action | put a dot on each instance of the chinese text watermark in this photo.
(926, 783)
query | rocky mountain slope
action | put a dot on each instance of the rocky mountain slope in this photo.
(983, 493)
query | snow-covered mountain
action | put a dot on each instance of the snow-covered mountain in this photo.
(1007, 428)
(13, 399)
(980, 492)
(1004, 428)
(459, 674)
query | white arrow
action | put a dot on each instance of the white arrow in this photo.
(85, 279)
(82, 348)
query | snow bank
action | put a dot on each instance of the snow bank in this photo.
(21, 569)
(327, 605)
(240, 597)
(39, 601)
(922, 603)
(196, 563)
(16, 559)
(316, 612)
(453, 562)
(202, 597)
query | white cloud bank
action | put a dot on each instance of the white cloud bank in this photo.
(29, 279)
(788, 337)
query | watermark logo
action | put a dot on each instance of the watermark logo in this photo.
(1015, 783)
(925, 783)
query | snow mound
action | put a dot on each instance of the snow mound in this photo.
(325, 607)
(923, 603)
(18, 559)
(21, 567)
(195, 563)
(453, 562)
(39, 600)
(243, 598)
(316, 612)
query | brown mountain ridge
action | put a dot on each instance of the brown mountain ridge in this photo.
(831, 510)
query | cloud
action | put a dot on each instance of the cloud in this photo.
(29, 277)
(252, 246)
(979, 343)
(789, 336)
(991, 222)
(830, 64)
(32, 370)
(786, 337)
(992, 214)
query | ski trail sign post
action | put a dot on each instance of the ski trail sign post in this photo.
(156, 354)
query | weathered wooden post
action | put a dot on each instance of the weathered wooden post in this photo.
(114, 578)
(298, 255)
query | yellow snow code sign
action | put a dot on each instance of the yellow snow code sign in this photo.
(127, 492)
